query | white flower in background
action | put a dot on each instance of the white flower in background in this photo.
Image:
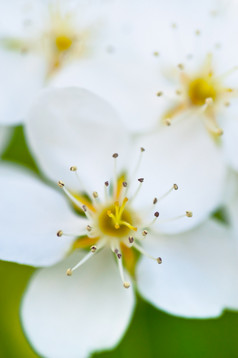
(40, 38)
(122, 216)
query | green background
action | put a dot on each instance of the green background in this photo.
(151, 333)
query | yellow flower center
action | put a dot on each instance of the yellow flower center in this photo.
(115, 220)
(200, 89)
(63, 42)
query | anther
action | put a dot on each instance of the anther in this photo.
(59, 233)
(141, 180)
(69, 272)
(175, 186)
(124, 184)
(155, 201)
(189, 214)
(167, 121)
(126, 284)
(61, 183)
(181, 66)
(73, 169)
(84, 207)
(106, 183)
(95, 194)
(142, 149)
(93, 248)
(159, 260)
(130, 239)
(119, 256)
(115, 155)
(159, 94)
(116, 251)
(144, 232)
(89, 228)
(156, 214)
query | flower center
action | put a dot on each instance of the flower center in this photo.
(115, 220)
(200, 89)
(63, 42)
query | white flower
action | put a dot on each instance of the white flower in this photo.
(40, 38)
(176, 51)
(59, 313)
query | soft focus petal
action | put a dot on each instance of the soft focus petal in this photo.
(73, 316)
(230, 141)
(21, 78)
(198, 275)
(187, 155)
(72, 126)
(31, 214)
(5, 133)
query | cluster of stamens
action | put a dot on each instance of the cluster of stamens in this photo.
(201, 93)
(112, 221)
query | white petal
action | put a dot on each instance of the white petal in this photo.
(5, 133)
(22, 76)
(73, 316)
(230, 141)
(187, 155)
(198, 275)
(72, 126)
(31, 214)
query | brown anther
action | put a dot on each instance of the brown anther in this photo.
(73, 169)
(84, 207)
(144, 233)
(115, 155)
(141, 180)
(61, 183)
(142, 149)
(59, 233)
(116, 251)
(93, 248)
(89, 228)
(130, 239)
(155, 201)
(167, 121)
(106, 183)
(159, 260)
(159, 94)
(175, 186)
(69, 272)
(181, 66)
(124, 184)
(156, 214)
(126, 284)
(95, 194)
(189, 214)
(118, 256)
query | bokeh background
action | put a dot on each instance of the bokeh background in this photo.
(152, 333)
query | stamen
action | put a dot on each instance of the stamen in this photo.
(138, 164)
(61, 233)
(93, 248)
(80, 263)
(126, 284)
(115, 156)
(174, 187)
(143, 252)
(130, 239)
(79, 204)
(74, 169)
(188, 214)
(106, 185)
(140, 180)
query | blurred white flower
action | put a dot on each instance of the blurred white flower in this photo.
(40, 38)
(58, 312)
